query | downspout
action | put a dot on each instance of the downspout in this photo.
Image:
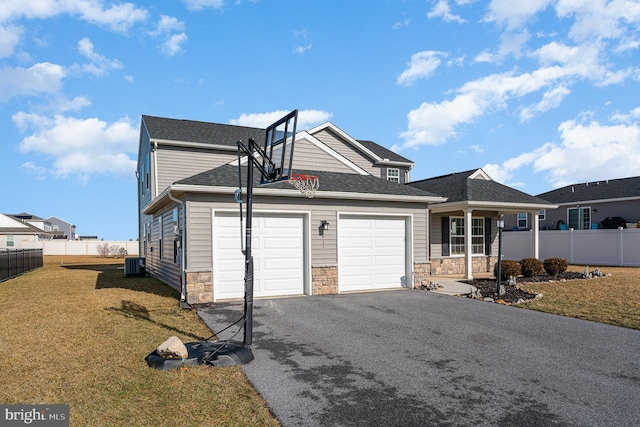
(182, 234)
(155, 168)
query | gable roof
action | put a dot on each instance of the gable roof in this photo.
(383, 152)
(11, 224)
(161, 128)
(227, 176)
(475, 187)
(612, 189)
(333, 185)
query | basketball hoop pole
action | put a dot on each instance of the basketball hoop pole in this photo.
(248, 258)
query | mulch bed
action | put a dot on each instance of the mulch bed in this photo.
(514, 294)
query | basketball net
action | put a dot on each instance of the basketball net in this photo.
(307, 184)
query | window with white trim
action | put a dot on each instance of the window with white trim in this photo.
(456, 236)
(161, 233)
(11, 241)
(393, 174)
(522, 220)
(579, 218)
(542, 214)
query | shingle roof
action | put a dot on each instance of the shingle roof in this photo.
(202, 132)
(599, 190)
(227, 176)
(224, 134)
(459, 187)
(383, 152)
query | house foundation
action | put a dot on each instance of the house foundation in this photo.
(324, 280)
(199, 289)
(421, 274)
(455, 266)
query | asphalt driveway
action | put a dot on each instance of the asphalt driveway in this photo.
(411, 357)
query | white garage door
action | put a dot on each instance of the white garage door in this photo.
(372, 253)
(278, 256)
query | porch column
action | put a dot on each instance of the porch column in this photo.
(535, 242)
(468, 259)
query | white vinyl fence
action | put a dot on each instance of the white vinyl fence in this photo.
(585, 247)
(80, 247)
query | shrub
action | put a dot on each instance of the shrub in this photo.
(531, 267)
(508, 268)
(555, 266)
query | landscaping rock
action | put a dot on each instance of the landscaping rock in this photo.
(172, 348)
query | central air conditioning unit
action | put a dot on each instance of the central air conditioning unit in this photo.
(134, 267)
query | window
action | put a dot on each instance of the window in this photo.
(579, 218)
(161, 233)
(10, 241)
(456, 235)
(147, 168)
(176, 237)
(542, 214)
(393, 174)
(522, 220)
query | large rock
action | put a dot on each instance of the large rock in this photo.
(172, 348)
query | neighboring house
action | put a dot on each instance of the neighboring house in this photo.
(14, 231)
(586, 206)
(65, 229)
(34, 220)
(189, 225)
(472, 198)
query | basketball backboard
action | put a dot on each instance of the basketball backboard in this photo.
(278, 149)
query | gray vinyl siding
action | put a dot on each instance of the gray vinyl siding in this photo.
(347, 151)
(199, 255)
(176, 163)
(163, 267)
(144, 194)
(306, 156)
(323, 245)
(435, 228)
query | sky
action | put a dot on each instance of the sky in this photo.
(539, 93)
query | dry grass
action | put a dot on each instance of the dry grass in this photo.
(613, 299)
(78, 332)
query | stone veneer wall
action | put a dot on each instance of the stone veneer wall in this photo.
(421, 273)
(446, 266)
(324, 280)
(199, 287)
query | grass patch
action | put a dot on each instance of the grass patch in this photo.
(76, 332)
(614, 299)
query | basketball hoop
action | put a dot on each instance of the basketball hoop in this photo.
(307, 184)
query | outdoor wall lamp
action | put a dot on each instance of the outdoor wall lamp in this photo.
(324, 225)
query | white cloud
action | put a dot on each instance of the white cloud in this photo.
(80, 147)
(118, 17)
(9, 38)
(171, 30)
(299, 50)
(591, 152)
(41, 78)
(203, 4)
(100, 65)
(485, 56)
(598, 19)
(173, 45)
(513, 43)
(442, 10)
(586, 153)
(629, 117)
(514, 14)
(401, 24)
(306, 118)
(550, 100)
(168, 24)
(422, 66)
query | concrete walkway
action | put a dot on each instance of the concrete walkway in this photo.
(455, 285)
